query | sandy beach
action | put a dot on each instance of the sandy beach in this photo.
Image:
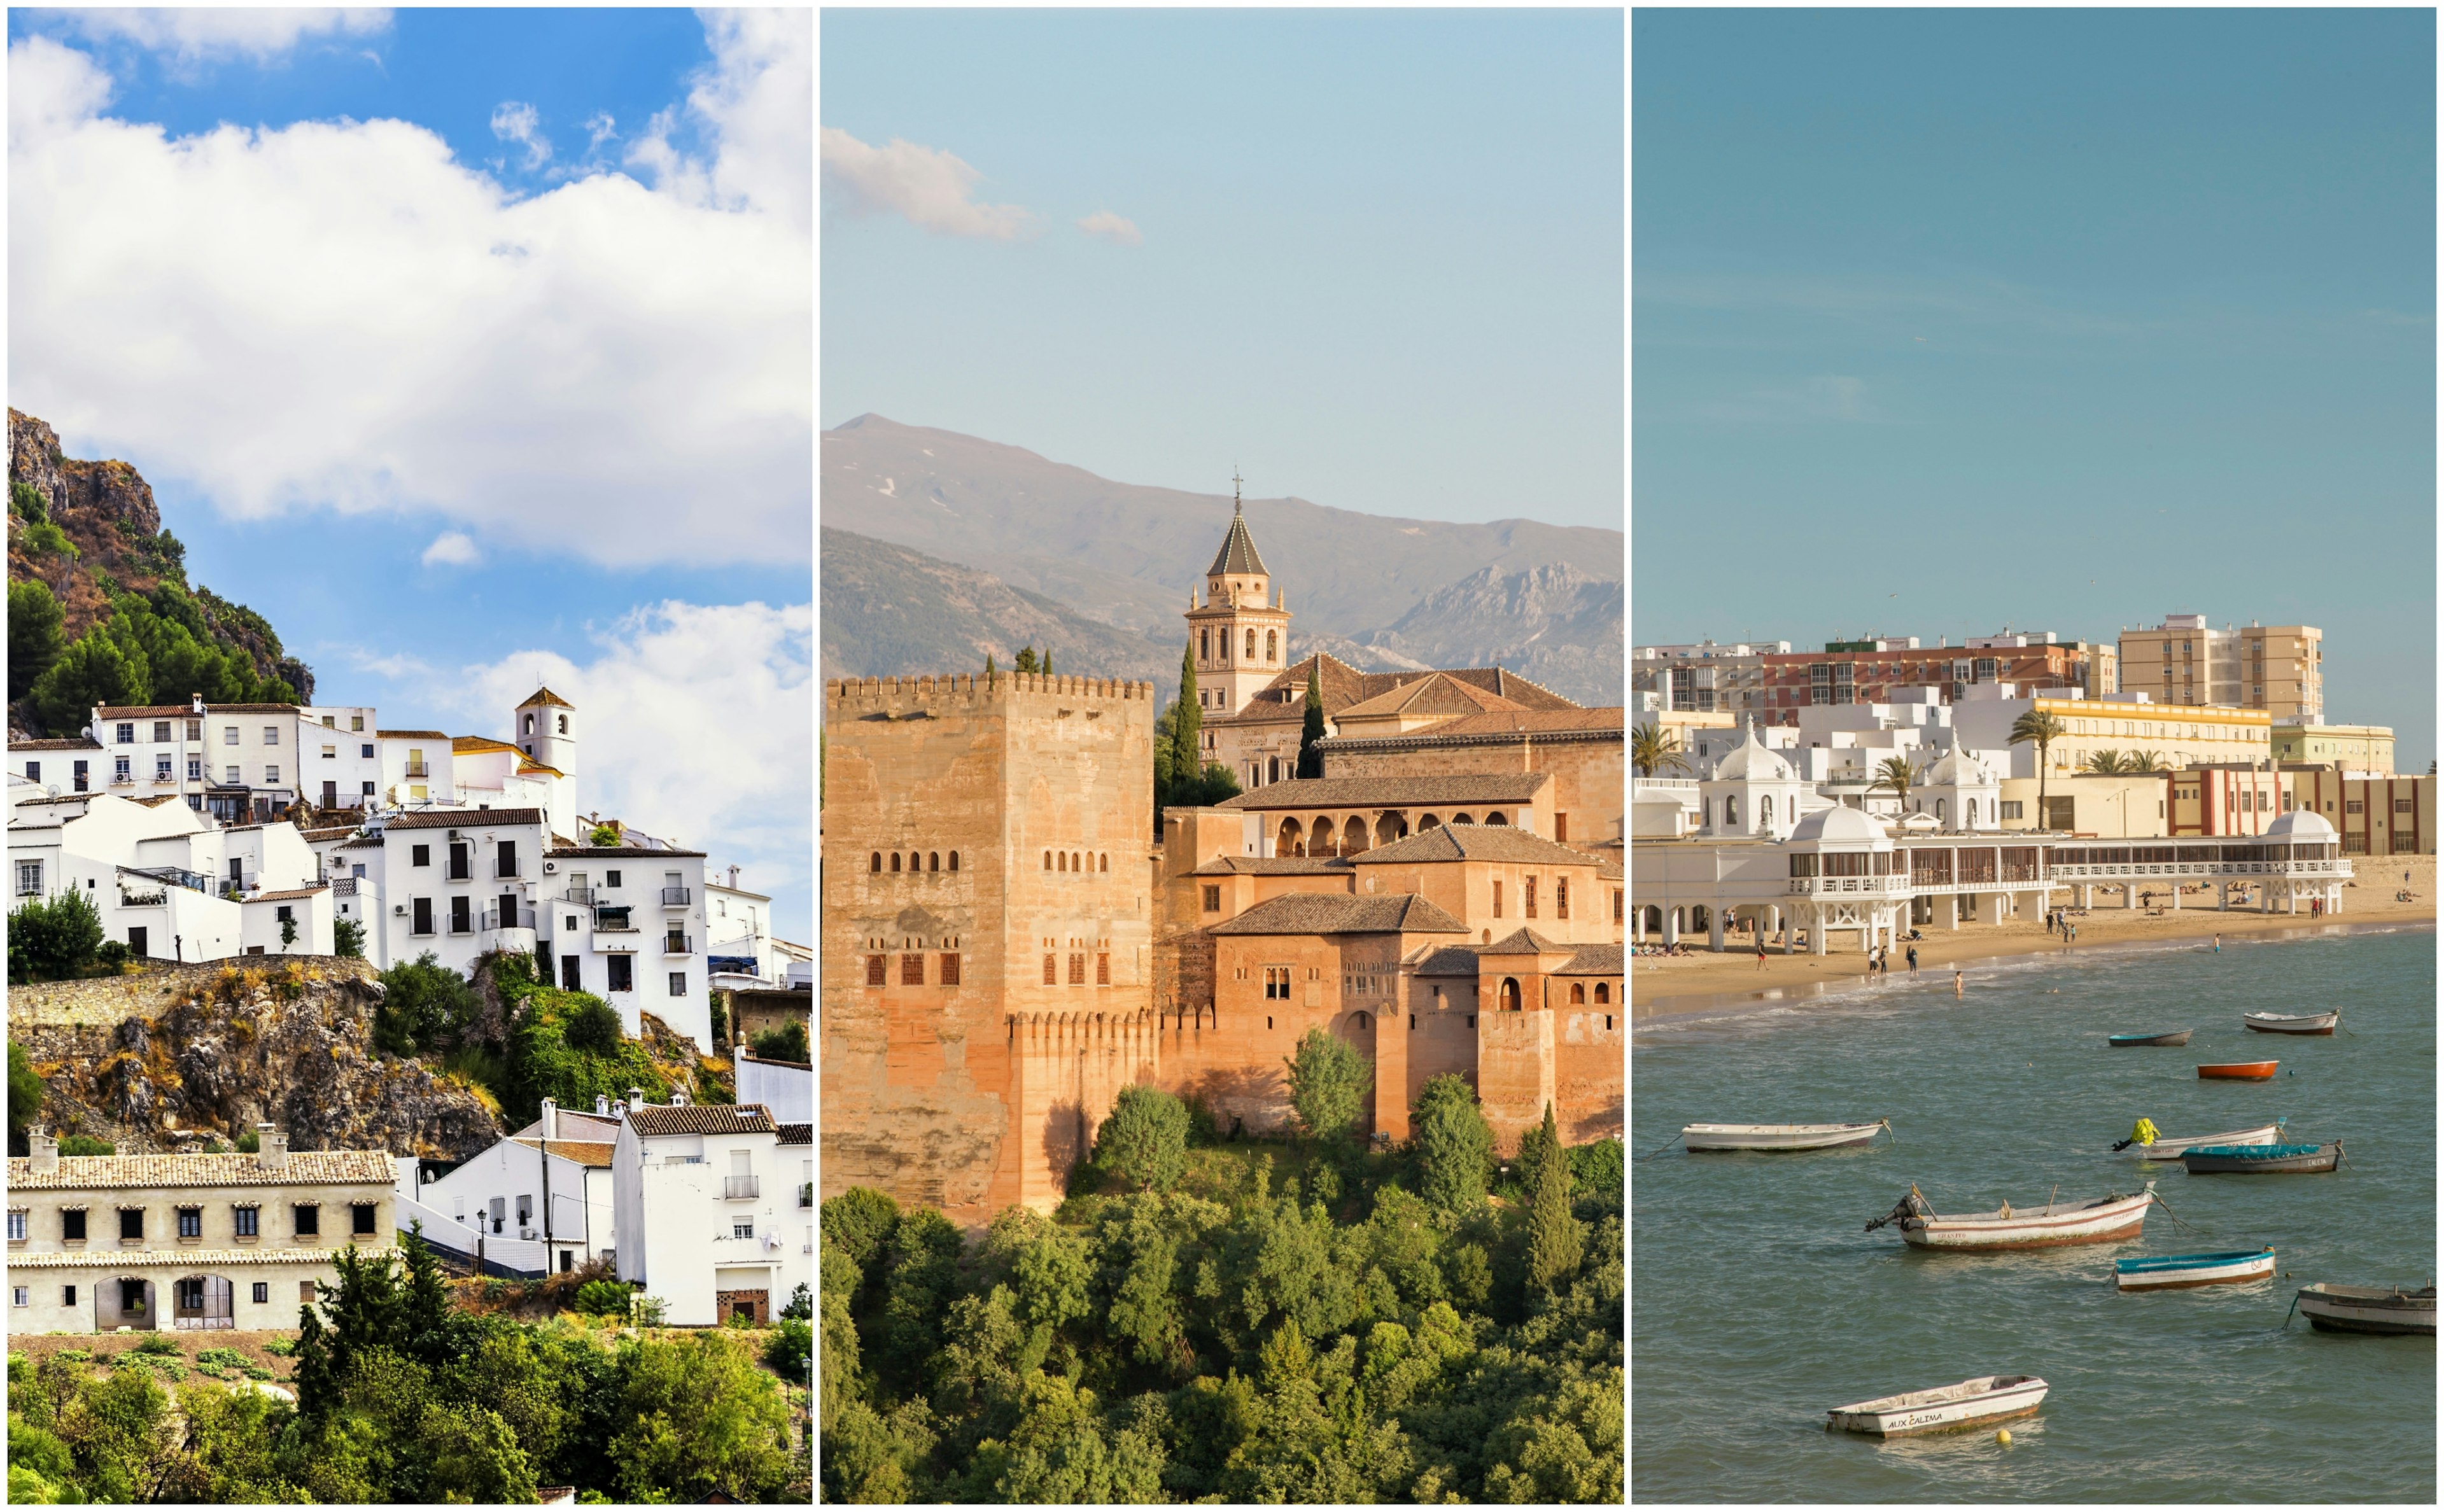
(1668, 984)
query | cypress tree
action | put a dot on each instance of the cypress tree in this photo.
(1310, 761)
(1555, 1239)
(1187, 721)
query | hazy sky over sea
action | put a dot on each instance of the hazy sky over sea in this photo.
(1373, 257)
(2064, 318)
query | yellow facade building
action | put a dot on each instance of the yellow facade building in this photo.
(2280, 669)
(2347, 748)
(2178, 736)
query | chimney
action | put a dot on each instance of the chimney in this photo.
(272, 1152)
(733, 879)
(679, 1098)
(602, 1106)
(46, 1153)
(635, 1098)
(550, 1118)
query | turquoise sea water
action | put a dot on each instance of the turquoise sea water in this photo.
(1758, 1300)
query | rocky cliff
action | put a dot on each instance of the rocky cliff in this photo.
(1554, 624)
(163, 1062)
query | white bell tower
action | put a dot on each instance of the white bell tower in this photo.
(545, 729)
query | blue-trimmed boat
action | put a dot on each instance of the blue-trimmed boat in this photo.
(2262, 1160)
(2160, 1273)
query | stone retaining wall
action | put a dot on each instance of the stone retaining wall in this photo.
(153, 989)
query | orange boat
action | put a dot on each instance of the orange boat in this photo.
(2239, 1071)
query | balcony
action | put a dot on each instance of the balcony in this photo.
(462, 926)
(1869, 886)
(736, 1189)
(142, 900)
(805, 1194)
(577, 894)
(461, 873)
(418, 769)
(675, 897)
(678, 945)
(522, 918)
(507, 871)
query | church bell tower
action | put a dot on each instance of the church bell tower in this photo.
(1240, 633)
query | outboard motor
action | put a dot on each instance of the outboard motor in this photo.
(1910, 1212)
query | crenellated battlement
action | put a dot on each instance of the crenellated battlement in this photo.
(853, 694)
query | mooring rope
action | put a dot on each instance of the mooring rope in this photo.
(1660, 1149)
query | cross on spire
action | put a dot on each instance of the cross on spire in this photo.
(1236, 481)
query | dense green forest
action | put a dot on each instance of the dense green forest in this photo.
(405, 1396)
(1302, 1320)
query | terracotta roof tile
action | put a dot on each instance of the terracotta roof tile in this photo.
(701, 1118)
(287, 895)
(1393, 792)
(1273, 866)
(411, 734)
(465, 817)
(476, 743)
(1341, 914)
(1476, 843)
(584, 1151)
(797, 1133)
(544, 697)
(303, 1166)
(1520, 942)
(170, 1254)
(1433, 692)
(78, 743)
(1594, 960)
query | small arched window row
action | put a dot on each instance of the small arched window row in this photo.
(916, 861)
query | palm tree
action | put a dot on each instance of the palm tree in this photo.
(2144, 761)
(1895, 775)
(2041, 730)
(2103, 762)
(1653, 748)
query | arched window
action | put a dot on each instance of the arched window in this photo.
(1273, 652)
(1252, 645)
(1360, 1022)
(1073, 861)
(1939, 810)
(1462, 818)
(1107, 861)
(894, 861)
(1497, 819)
(1972, 815)
(933, 861)
(1731, 811)
(1273, 769)
(1765, 810)
(954, 860)
(1604, 992)
(529, 728)
(1578, 992)
(563, 724)
(1430, 822)
(1510, 994)
(1047, 860)
(875, 863)
(1064, 862)
(1204, 646)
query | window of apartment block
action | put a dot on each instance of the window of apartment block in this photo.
(911, 969)
(119, 767)
(228, 735)
(126, 734)
(309, 1218)
(17, 1297)
(743, 1230)
(462, 918)
(161, 731)
(360, 1217)
(331, 753)
(190, 1223)
(420, 921)
(131, 1296)
(30, 877)
(67, 1297)
(16, 1224)
(131, 1223)
(950, 971)
(271, 734)
(194, 729)
(2353, 805)
(1077, 968)
(419, 856)
(678, 984)
(624, 973)
(72, 1223)
(878, 972)
(305, 1292)
(610, 880)
(262, 1291)
(195, 768)
(249, 1222)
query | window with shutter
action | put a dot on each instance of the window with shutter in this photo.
(911, 970)
(1077, 968)
(950, 971)
(877, 971)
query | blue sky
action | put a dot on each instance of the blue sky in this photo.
(1373, 257)
(472, 348)
(2067, 319)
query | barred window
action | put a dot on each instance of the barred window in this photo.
(1077, 968)
(1051, 971)
(950, 971)
(877, 971)
(911, 970)
(1103, 969)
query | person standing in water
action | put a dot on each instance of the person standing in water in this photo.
(1913, 958)
(1959, 983)
(2218, 950)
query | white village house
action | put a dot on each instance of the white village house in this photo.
(713, 1208)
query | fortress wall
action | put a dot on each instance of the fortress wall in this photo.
(1590, 1074)
(1515, 1073)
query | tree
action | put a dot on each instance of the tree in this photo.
(1145, 1140)
(2142, 761)
(787, 1042)
(34, 638)
(1555, 1239)
(605, 837)
(1653, 748)
(94, 669)
(1188, 721)
(1328, 1083)
(1025, 660)
(424, 1003)
(1895, 775)
(53, 940)
(2105, 763)
(25, 1096)
(990, 675)
(593, 1028)
(699, 1418)
(1453, 1144)
(2041, 730)
(349, 938)
(1310, 761)
(288, 931)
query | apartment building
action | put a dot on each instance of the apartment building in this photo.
(2185, 660)
(707, 1209)
(549, 1184)
(1703, 677)
(98, 1242)
(2346, 747)
(2176, 736)
(2375, 814)
(626, 923)
(1878, 671)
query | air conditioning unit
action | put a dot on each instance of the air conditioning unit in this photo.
(550, 867)
(526, 1233)
(399, 910)
(453, 834)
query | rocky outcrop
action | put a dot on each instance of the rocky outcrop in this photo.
(96, 494)
(1555, 625)
(205, 1052)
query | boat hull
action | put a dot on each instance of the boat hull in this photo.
(1777, 1136)
(2291, 1024)
(2214, 1161)
(2170, 1150)
(2374, 1311)
(1975, 1403)
(2239, 1071)
(2179, 1272)
(2131, 1042)
(1987, 1234)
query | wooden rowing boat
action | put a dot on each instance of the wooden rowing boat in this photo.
(2107, 1220)
(2239, 1071)
(2159, 1273)
(1777, 1136)
(1970, 1403)
(2369, 1309)
(2126, 1042)
(2292, 1023)
(2262, 1160)
(2169, 1149)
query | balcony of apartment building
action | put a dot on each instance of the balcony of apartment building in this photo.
(506, 869)
(674, 943)
(613, 918)
(741, 1188)
(678, 897)
(418, 769)
(512, 933)
(582, 897)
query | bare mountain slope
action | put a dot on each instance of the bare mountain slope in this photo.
(1552, 624)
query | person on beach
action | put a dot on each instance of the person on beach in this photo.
(1959, 983)
(1912, 957)
(2218, 950)
(1759, 949)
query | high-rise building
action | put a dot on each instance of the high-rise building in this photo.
(2185, 660)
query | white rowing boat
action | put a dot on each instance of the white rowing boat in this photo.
(1983, 1399)
(2169, 1149)
(2293, 1023)
(2105, 1221)
(1777, 1136)
(2369, 1309)
(2159, 1273)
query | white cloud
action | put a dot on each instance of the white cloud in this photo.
(600, 128)
(696, 725)
(515, 121)
(929, 186)
(200, 34)
(1118, 229)
(451, 548)
(755, 100)
(339, 315)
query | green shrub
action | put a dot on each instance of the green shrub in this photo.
(424, 1003)
(787, 1042)
(282, 1347)
(53, 940)
(257, 1372)
(76, 1144)
(792, 1341)
(223, 1355)
(160, 1344)
(603, 1298)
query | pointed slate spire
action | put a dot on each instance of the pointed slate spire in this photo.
(1238, 553)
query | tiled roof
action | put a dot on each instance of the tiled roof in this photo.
(78, 743)
(253, 709)
(1446, 960)
(1272, 866)
(170, 1254)
(529, 764)
(1340, 913)
(475, 743)
(546, 697)
(1520, 942)
(584, 1151)
(1393, 792)
(1476, 843)
(701, 1118)
(158, 800)
(1433, 692)
(1344, 685)
(797, 1133)
(583, 852)
(333, 832)
(1498, 727)
(145, 710)
(1238, 553)
(302, 1167)
(1594, 960)
(291, 893)
(411, 734)
(466, 817)
(362, 843)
